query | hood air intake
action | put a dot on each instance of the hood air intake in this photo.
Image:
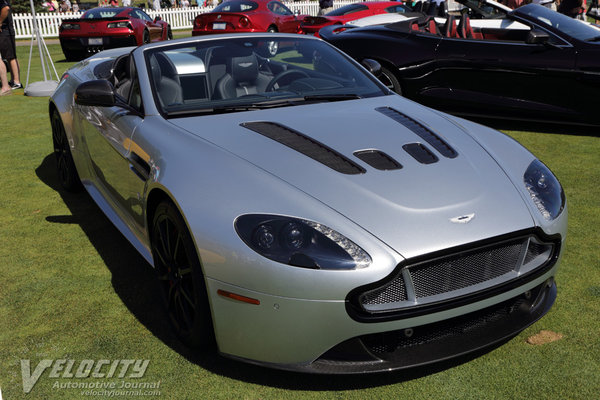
(378, 159)
(305, 145)
(434, 140)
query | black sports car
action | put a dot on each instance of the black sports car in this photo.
(535, 64)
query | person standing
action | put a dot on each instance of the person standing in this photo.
(5, 88)
(325, 6)
(7, 43)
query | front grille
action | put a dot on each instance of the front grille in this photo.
(462, 273)
(458, 272)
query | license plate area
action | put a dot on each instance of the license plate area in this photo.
(219, 25)
(95, 41)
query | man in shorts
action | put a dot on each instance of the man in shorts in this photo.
(5, 88)
(7, 42)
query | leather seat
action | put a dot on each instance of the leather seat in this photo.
(168, 88)
(242, 78)
(449, 29)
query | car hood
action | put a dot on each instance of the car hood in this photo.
(417, 209)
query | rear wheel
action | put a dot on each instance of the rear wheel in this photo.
(272, 47)
(390, 80)
(146, 37)
(169, 33)
(65, 166)
(180, 277)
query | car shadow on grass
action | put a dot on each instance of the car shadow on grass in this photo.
(134, 282)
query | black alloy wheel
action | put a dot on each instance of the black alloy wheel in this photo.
(180, 277)
(390, 80)
(65, 166)
(146, 37)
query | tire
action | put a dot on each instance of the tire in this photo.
(146, 37)
(169, 33)
(390, 80)
(180, 277)
(272, 47)
(65, 166)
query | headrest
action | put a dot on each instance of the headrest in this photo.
(155, 68)
(244, 69)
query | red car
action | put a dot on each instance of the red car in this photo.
(345, 14)
(248, 16)
(109, 27)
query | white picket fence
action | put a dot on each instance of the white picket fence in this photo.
(178, 18)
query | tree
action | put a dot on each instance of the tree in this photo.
(23, 6)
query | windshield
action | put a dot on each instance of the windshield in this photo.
(236, 6)
(98, 13)
(239, 74)
(570, 26)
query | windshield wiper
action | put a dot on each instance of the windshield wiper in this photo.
(593, 39)
(263, 105)
(332, 97)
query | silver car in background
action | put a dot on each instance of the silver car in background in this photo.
(299, 213)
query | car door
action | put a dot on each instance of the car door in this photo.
(285, 19)
(512, 75)
(120, 169)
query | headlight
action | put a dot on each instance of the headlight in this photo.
(544, 189)
(123, 24)
(300, 243)
(69, 26)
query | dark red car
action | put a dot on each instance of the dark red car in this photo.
(248, 16)
(345, 14)
(109, 27)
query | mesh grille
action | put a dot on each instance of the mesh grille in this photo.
(466, 271)
(396, 291)
(389, 342)
(534, 250)
(458, 272)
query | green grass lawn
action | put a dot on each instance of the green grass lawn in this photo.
(73, 288)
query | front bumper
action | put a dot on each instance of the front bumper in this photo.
(320, 337)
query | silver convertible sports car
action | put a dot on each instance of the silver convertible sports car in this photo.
(302, 215)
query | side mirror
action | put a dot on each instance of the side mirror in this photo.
(537, 36)
(157, 18)
(372, 66)
(100, 93)
(296, 12)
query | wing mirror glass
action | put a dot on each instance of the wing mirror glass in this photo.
(100, 93)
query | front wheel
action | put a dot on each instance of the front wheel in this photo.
(180, 277)
(390, 80)
(65, 166)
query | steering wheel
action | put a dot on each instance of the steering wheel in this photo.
(284, 74)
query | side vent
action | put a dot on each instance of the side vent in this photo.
(305, 145)
(420, 153)
(427, 135)
(378, 159)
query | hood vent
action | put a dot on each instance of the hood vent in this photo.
(420, 153)
(378, 159)
(427, 135)
(305, 145)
